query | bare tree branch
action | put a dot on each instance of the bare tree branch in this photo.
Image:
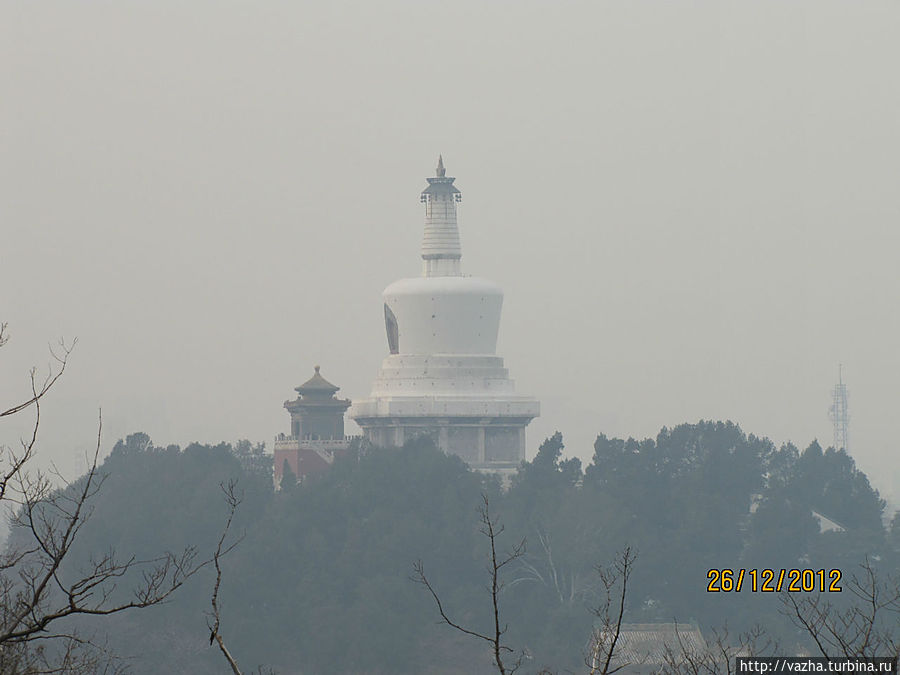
(718, 656)
(611, 613)
(61, 358)
(866, 627)
(490, 529)
(39, 586)
(54, 520)
(233, 501)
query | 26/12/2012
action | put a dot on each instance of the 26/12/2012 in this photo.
(771, 581)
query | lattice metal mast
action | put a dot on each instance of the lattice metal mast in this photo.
(840, 413)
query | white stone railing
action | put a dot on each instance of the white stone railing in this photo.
(284, 442)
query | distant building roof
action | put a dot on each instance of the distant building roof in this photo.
(644, 644)
(316, 385)
(826, 524)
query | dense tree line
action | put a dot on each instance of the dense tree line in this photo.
(320, 581)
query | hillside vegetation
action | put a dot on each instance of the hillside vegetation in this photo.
(320, 581)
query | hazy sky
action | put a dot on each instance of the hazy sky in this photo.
(692, 207)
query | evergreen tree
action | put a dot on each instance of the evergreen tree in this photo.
(288, 478)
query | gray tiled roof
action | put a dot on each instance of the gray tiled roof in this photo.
(645, 643)
(316, 384)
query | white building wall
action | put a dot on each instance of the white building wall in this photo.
(446, 315)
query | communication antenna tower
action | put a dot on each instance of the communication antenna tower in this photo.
(840, 413)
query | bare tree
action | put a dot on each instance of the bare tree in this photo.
(866, 627)
(213, 621)
(491, 529)
(719, 655)
(39, 584)
(15, 461)
(567, 585)
(606, 635)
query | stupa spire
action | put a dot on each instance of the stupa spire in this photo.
(441, 250)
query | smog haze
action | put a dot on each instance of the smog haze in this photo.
(691, 208)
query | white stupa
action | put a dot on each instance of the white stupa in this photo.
(443, 377)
